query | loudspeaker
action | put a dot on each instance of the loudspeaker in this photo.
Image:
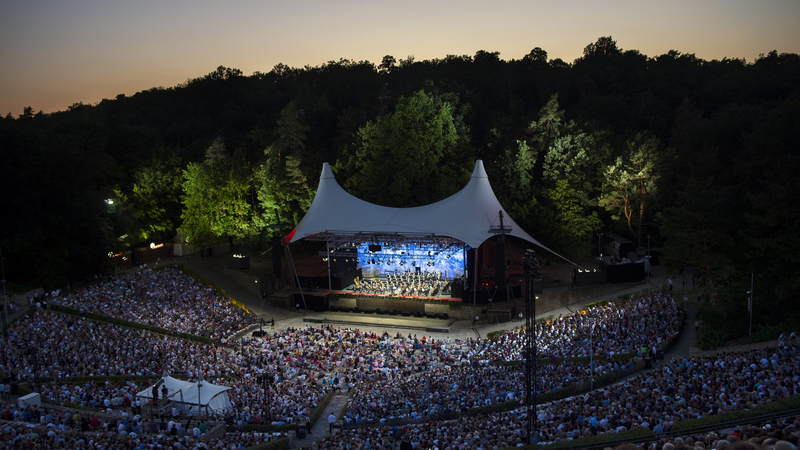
(470, 267)
(500, 264)
(537, 286)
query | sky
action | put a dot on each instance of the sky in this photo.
(54, 53)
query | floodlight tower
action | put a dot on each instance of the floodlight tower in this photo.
(533, 286)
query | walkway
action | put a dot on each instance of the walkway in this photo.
(320, 429)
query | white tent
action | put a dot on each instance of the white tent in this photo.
(185, 394)
(466, 215)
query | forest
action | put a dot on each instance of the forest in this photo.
(698, 157)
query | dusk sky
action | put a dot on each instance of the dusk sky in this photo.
(56, 53)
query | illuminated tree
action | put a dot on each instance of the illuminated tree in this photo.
(156, 190)
(552, 179)
(411, 157)
(216, 198)
(630, 184)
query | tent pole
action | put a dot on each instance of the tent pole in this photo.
(294, 269)
(475, 283)
(328, 248)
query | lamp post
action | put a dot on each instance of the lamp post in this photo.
(591, 353)
(750, 303)
(600, 245)
(199, 402)
(5, 299)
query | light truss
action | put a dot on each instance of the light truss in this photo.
(354, 240)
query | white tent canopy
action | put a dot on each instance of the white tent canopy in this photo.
(466, 215)
(185, 394)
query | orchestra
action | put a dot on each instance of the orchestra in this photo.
(405, 283)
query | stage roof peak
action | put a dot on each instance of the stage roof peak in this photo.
(466, 215)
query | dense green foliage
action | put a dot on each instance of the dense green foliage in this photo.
(701, 156)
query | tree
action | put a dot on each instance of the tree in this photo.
(605, 46)
(387, 64)
(414, 156)
(700, 227)
(630, 183)
(770, 233)
(54, 182)
(523, 164)
(283, 189)
(281, 185)
(536, 55)
(155, 197)
(571, 177)
(216, 199)
(224, 73)
(552, 180)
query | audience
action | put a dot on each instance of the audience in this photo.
(166, 298)
(426, 381)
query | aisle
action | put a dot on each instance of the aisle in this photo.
(320, 429)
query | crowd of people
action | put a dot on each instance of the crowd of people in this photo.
(681, 390)
(642, 322)
(427, 381)
(166, 298)
(46, 428)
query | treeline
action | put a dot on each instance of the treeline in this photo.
(698, 156)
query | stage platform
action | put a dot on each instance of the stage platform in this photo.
(419, 288)
(360, 320)
(349, 292)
